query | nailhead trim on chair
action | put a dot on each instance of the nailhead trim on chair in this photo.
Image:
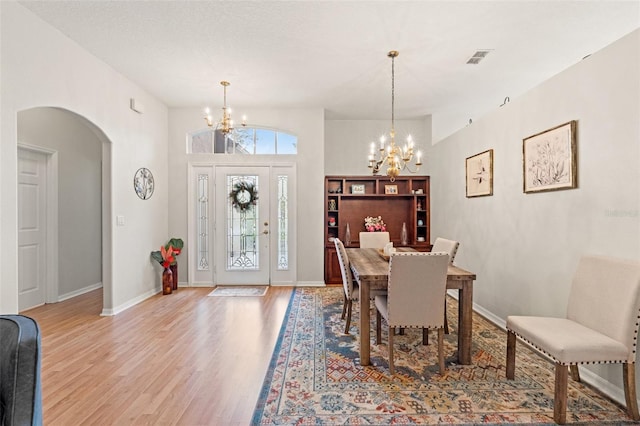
(635, 345)
(562, 363)
(354, 295)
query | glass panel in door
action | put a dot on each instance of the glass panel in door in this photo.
(242, 225)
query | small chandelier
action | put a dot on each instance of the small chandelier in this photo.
(397, 158)
(225, 125)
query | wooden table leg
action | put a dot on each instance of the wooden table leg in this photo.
(465, 319)
(365, 323)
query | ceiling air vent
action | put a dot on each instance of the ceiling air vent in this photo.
(477, 57)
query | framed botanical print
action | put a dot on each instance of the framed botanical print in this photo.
(549, 159)
(479, 174)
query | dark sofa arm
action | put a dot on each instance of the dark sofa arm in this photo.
(20, 357)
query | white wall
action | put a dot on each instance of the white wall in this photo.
(308, 125)
(525, 248)
(79, 192)
(348, 142)
(41, 67)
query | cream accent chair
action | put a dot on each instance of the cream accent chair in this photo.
(415, 299)
(451, 248)
(601, 326)
(374, 239)
(351, 288)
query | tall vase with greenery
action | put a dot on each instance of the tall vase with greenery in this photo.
(166, 256)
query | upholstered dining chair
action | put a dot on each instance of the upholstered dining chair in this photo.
(20, 360)
(351, 288)
(451, 248)
(601, 326)
(374, 239)
(415, 297)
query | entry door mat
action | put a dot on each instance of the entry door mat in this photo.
(234, 290)
(315, 377)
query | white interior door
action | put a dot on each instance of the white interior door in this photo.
(242, 229)
(32, 228)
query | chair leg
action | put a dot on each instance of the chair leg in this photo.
(348, 324)
(629, 378)
(344, 305)
(511, 355)
(425, 336)
(446, 322)
(560, 394)
(575, 374)
(378, 327)
(391, 369)
(441, 350)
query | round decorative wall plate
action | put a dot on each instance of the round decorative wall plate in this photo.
(143, 183)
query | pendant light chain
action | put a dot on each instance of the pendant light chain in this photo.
(396, 158)
(393, 94)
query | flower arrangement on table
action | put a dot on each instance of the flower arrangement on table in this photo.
(374, 224)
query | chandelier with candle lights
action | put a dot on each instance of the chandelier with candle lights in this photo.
(396, 158)
(225, 125)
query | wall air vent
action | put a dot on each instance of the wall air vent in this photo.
(478, 56)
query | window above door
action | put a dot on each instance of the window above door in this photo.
(242, 141)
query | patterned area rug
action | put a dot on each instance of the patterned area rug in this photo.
(315, 376)
(234, 290)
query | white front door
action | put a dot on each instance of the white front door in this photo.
(32, 228)
(242, 230)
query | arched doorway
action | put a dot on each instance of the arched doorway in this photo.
(74, 170)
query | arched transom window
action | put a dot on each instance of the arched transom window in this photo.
(245, 140)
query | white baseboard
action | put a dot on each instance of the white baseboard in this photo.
(309, 284)
(78, 292)
(197, 284)
(129, 303)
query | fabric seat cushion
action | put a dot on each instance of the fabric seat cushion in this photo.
(567, 341)
(381, 305)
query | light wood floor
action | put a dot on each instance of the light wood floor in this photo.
(179, 359)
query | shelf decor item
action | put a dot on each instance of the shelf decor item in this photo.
(374, 224)
(347, 235)
(549, 159)
(404, 238)
(357, 189)
(391, 189)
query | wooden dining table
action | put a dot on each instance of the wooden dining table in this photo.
(371, 270)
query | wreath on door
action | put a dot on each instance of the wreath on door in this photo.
(243, 195)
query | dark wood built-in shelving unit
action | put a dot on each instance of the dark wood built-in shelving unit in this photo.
(409, 205)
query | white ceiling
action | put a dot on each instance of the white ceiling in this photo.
(333, 54)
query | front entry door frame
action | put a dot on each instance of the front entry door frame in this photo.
(201, 206)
